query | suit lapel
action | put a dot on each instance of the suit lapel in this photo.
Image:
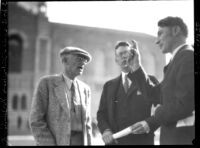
(132, 88)
(179, 51)
(113, 90)
(112, 100)
(169, 65)
(83, 98)
(166, 67)
(60, 93)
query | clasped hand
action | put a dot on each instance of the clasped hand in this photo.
(108, 138)
(140, 127)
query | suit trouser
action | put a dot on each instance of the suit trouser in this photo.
(177, 136)
(76, 138)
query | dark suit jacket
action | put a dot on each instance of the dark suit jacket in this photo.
(138, 108)
(177, 91)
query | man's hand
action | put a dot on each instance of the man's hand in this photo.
(134, 60)
(140, 127)
(107, 137)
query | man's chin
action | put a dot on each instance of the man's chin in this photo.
(125, 69)
(165, 50)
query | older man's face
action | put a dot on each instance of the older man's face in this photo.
(74, 65)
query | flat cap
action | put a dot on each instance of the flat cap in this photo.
(77, 51)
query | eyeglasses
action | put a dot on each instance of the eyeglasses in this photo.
(81, 59)
(123, 54)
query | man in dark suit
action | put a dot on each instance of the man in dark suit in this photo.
(124, 102)
(176, 114)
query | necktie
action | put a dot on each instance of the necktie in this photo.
(72, 97)
(126, 86)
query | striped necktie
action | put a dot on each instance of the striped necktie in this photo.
(126, 86)
(73, 97)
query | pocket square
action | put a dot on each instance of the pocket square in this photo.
(139, 92)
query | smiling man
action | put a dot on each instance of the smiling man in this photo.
(176, 114)
(60, 113)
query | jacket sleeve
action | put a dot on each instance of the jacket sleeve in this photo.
(150, 86)
(182, 101)
(37, 119)
(156, 95)
(102, 113)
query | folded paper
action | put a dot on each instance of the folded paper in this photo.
(189, 121)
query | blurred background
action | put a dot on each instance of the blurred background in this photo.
(35, 36)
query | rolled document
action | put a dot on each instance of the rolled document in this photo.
(122, 133)
(189, 121)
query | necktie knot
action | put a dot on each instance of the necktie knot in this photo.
(166, 66)
(72, 87)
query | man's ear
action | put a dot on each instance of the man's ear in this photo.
(176, 30)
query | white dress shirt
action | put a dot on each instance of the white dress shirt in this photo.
(76, 123)
(123, 79)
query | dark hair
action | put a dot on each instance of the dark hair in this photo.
(174, 21)
(121, 43)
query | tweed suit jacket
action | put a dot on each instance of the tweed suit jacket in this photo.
(49, 120)
(177, 98)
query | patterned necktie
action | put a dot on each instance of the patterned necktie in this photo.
(72, 97)
(126, 86)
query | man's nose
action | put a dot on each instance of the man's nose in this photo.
(125, 55)
(83, 63)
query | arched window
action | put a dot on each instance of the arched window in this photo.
(23, 102)
(14, 102)
(19, 122)
(27, 125)
(15, 54)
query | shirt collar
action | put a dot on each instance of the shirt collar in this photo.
(177, 49)
(124, 73)
(123, 76)
(68, 81)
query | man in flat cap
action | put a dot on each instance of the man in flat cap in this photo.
(60, 112)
